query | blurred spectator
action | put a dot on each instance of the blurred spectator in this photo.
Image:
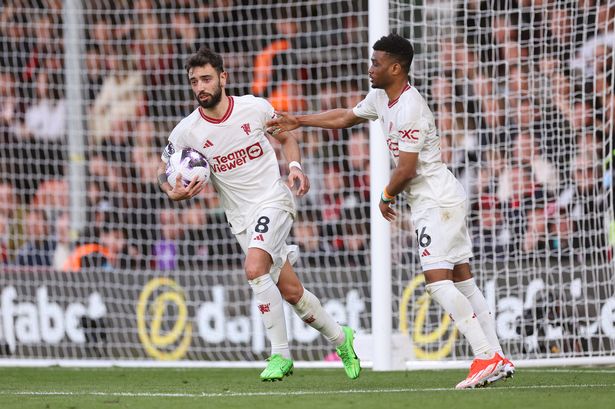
(329, 96)
(46, 119)
(94, 65)
(603, 70)
(14, 47)
(526, 150)
(194, 228)
(355, 233)
(100, 34)
(358, 159)
(37, 250)
(167, 247)
(537, 228)
(585, 202)
(52, 195)
(489, 233)
(352, 93)
(4, 238)
(491, 122)
(12, 213)
(47, 48)
(307, 236)
(516, 192)
(185, 40)
(121, 98)
(10, 110)
(458, 146)
(491, 166)
(9, 213)
(560, 231)
(311, 145)
(604, 35)
(154, 60)
(108, 251)
(62, 241)
(561, 25)
(145, 152)
(584, 114)
(277, 72)
(334, 200)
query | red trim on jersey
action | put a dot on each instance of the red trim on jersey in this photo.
(406, 88)
(227, 114)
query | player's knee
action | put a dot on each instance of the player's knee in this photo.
(292, 294)
(254, 269)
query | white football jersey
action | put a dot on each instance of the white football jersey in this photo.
(244, 167)
(409, 126)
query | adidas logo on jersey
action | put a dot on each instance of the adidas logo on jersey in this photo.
(208, 144)
(259, 238)
(425, 253)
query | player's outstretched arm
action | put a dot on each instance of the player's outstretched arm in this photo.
(334, 119)
(179, 192)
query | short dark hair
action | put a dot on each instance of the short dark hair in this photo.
(203, 57)
(398, 47)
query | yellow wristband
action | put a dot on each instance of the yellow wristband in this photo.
(386, 195)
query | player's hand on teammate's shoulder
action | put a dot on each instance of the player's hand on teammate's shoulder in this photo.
(181, 192)
(283, 121)
(299, 181)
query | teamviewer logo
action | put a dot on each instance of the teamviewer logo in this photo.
(255, 151)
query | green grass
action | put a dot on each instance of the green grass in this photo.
(69, 388)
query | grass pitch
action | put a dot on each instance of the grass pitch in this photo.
(69, 388)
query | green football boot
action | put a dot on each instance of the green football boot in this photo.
(277, 368)
(352, 365)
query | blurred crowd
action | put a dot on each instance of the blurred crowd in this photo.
(523, 94)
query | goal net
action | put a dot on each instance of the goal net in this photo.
(97, 264)
(523, 98)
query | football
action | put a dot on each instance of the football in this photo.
(190, 164)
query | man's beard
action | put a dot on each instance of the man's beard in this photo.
(215, 99)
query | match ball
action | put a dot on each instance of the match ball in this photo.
(190, 164)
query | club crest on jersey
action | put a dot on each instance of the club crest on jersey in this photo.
(246, 128)
(230, 161)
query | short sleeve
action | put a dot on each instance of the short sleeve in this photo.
(269, 111)
(412, 132)
(367, 108)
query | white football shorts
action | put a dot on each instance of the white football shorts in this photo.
(269, 231)
(443, 238)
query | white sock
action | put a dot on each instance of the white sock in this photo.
(311, 312)
(269, 302)
(460, 310)
(471, 291)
